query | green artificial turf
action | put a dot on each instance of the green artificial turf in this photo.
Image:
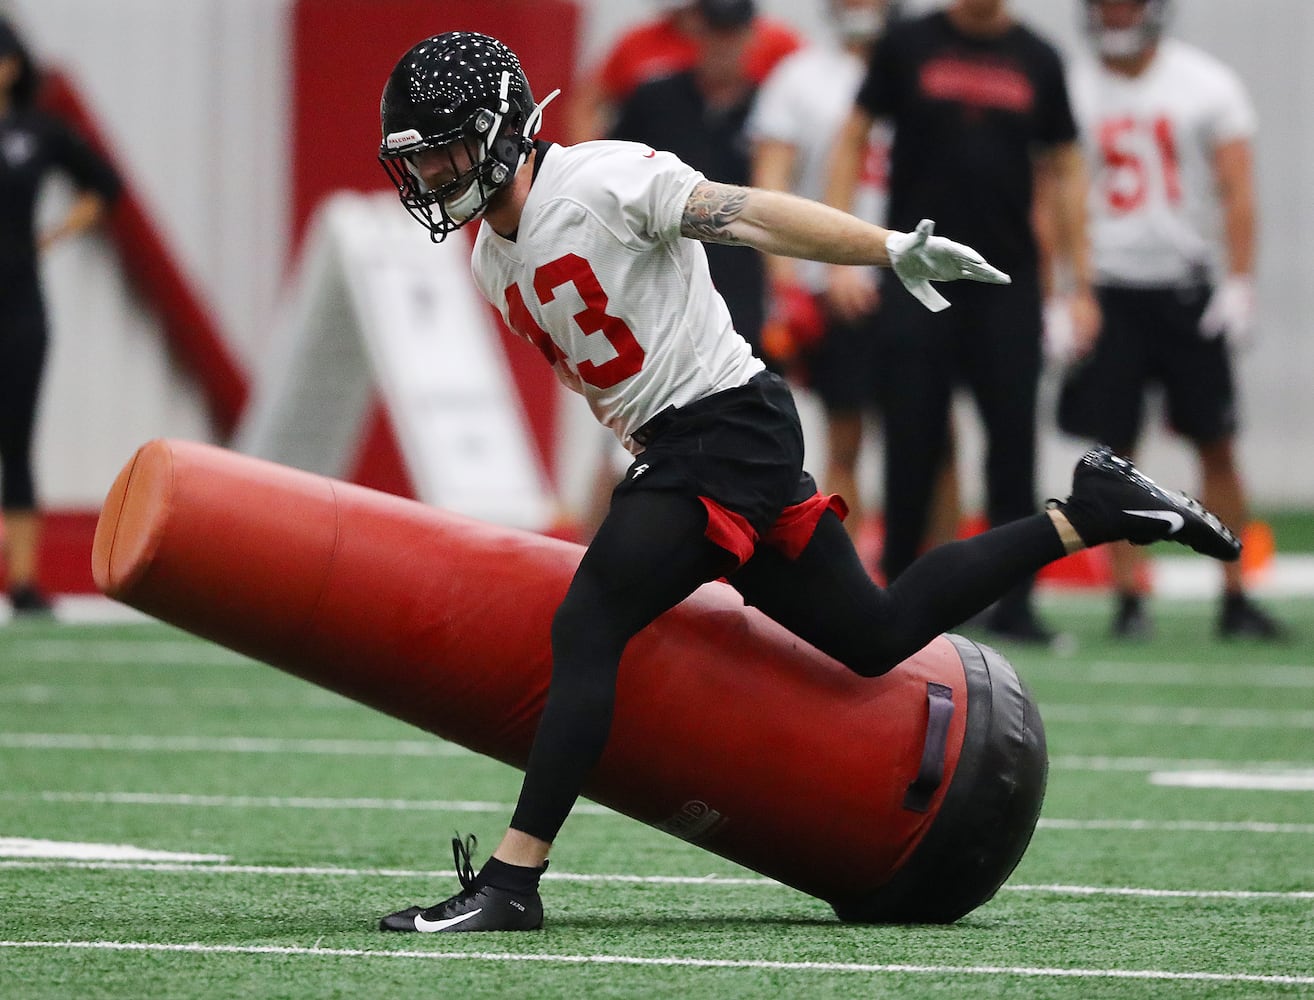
(141, 735)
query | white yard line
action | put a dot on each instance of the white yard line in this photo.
(1195, 675)
(1247, 781)
(583, 808)
(676, 961)
(93, 648)
(282, 802)
(1077, 762)
(232, 744)
(621, 878)
(1157, 715)
(201, 696)
(1176, 826)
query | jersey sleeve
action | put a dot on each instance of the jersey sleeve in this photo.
(642, 192)
(1235, 116)
(88, 170)
(775, 114)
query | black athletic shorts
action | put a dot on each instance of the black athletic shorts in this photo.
(739, 451)
(1151, 338)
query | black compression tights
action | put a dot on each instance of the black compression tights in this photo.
(650, 553)
(22, 359)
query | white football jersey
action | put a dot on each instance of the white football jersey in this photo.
(804, 102)
(600, 280)
(1150, 140)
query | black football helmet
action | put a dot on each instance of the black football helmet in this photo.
(457, 90)
(1122, 43)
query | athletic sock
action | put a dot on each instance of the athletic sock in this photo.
(511, 878)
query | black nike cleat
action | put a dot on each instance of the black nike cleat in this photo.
(477, 907)
(1111, 500)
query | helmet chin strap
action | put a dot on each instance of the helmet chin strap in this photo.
(470, 202)
(535, 120)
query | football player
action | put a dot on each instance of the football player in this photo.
(593, 253)
(1167, 132)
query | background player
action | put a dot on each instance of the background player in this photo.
(1167, 131)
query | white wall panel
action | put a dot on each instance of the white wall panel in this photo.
(191, 95)
(194, 93)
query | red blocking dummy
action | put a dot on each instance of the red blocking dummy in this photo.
(905, 798)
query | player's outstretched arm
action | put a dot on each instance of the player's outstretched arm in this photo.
(785, 224)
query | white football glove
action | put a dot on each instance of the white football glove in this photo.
(1231, 311)
(1060, 331)
(918, 258)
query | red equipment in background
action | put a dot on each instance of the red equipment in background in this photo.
(729, 732)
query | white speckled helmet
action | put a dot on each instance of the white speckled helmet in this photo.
(458, 87)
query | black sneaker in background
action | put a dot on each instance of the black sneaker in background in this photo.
(1241, 618)
(1130, 620)
(1111, 500)
(27, 600)
(1019, 624)
(477, 907)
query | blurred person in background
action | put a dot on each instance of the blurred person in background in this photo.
(32, 145)
(827, 337)
(700, 114)
(983, 133)
(1168, 133)
(666, 44)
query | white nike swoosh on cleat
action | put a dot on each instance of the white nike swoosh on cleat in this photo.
(1174, 519)
(428, 926)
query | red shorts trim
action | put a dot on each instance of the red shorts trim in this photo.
(796, 524)
(729, 530)
(790, 534)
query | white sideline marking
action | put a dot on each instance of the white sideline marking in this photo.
(1188, 675)
(1293, 781)
(1074, 762)
(158, 696)
(717, 880)
(1154, 715)
(406, 873)
(164, 652)
(587, 808)
(1109, 890)
(283, 802)
(1175, 826)
(232, 744)
(26, 847)
(678, 961)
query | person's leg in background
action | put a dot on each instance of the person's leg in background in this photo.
(22, 362)
(1200, 389)
(999, 341)
(917, 373)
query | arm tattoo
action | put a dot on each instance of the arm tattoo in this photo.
(710, 211)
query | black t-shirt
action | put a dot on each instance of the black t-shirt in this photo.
(671, 114)
(968, 114)
(32, 144)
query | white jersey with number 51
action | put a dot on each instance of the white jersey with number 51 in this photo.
(1150, 141)
(600, 280)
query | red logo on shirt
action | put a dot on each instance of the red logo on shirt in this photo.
(979, 84)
